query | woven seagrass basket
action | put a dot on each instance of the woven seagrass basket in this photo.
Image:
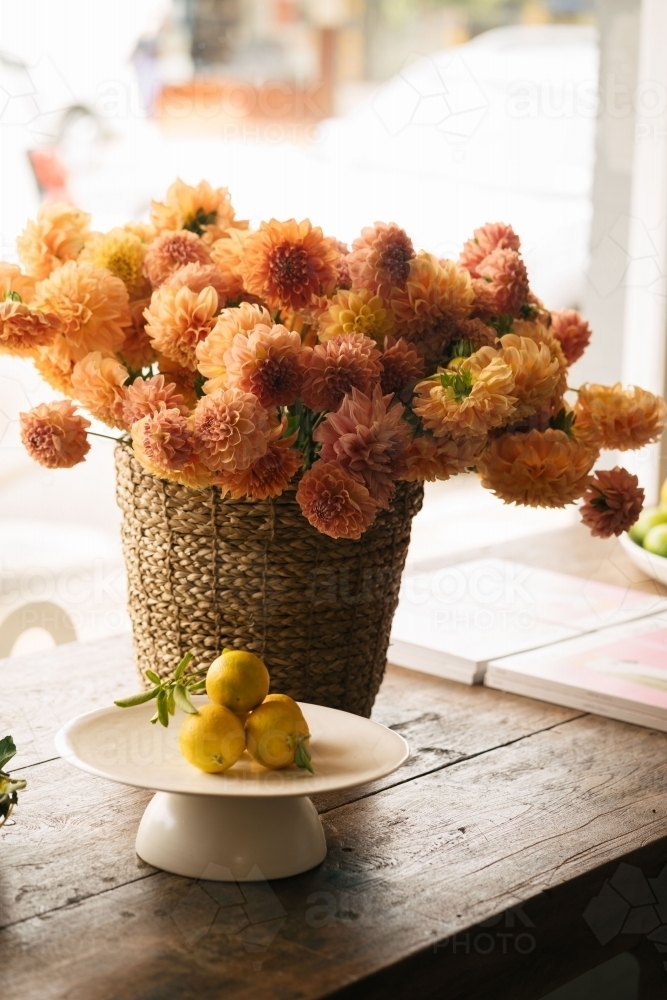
(206, 572)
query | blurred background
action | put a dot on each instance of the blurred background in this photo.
(437, 114)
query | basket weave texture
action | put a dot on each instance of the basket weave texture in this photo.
(206, 572)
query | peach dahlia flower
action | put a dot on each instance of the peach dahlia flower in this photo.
(230, 430)
(502, 285)
(380, 258)
(434, 291)
(286, 263)
(171, 250)
(211, 351)
(429, 458)
(356, 312)
(146, 396)
(614, 417)
(537, 469)
(22, 328)
(269, 475)
(178, 319)
(91, 304)
(368, 436)
(203, 210)
(572, 332)
(401, 364)
(612, 502)
(137, 352)
(337, 366)
(536, 372)
(478, 396)
(266, 361)
(55, 435)
(486, 239)
(97, 382)
(227, 255)
(335, 502)
(56, 236)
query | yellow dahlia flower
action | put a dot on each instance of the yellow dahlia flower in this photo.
(211, 351)
(537, 469)
(614, 417)
(122, 253)
(58, 235)
(356, 312)
(469, 401)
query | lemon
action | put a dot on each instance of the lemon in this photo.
(213, 739)
(277, 734)
(238, 680)
(656, 540)
(284, 698)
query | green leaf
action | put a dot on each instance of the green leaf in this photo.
(152, 676)
(196, 686)
(154, 718)
(563, 421)
(180, 669)
(137, 699)
(171, 705)
(162, 712)
(182, 699)
(7, 750)
(302, 758)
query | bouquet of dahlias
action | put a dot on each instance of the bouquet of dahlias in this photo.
(253, 359)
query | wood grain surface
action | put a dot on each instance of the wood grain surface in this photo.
(465, 874)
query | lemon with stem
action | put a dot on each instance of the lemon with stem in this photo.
(277, 734)
(238, 680)
(212, 739)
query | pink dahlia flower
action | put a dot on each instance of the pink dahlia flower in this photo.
(337, 366)
(266, 362)
(380, 259)
(504, 279)
(334, 502)
(572, 332)
(486, 239)
(171, 250)
(146, 396)
(368, 437)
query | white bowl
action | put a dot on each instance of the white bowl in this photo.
(653, 565)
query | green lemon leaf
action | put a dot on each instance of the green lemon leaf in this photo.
(180, 669)
(152, 676)
(137, 699)
(182, 699)
(7, 750)
(302, 758)
(171, 704)
(162, 712)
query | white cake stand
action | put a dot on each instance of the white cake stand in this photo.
(247, 824)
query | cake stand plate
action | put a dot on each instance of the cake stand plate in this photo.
(247, 824)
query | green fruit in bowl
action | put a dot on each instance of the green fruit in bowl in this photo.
(656, 540)
(663, 494)
(646, 521)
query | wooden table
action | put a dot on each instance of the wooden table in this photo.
(465, 874)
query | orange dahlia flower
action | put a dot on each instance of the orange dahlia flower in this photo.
(58, 235)
(380, 258)
(97, 382)
(211, 351)
(335, 502)
(22, 328)
(269, 475)
(137, 352)
(477, 396)
(356, 312)
(368, 436)
(230, 429)
(91, 304)
(612, 502)
(55, 364)
(434, 294)
(285, 263)
(162, 441)
(227, 254)
(536, 372)
(267, 362)
(337, 366)
(203, 210)
(429, 458)
(197, 277)
(55, 435)
(178, 319)
(614, 417)
(486, 239)
(537, 469)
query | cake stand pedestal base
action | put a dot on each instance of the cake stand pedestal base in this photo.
(231, 838)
